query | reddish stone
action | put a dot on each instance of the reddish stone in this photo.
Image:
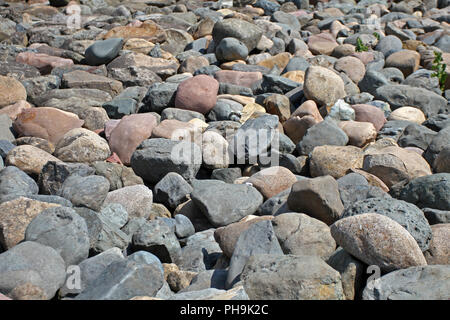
(47, 123)
(245, 79)
(129, 133)
(368, 113)
(114, 158)
(198, 93)
(109, 127)
(42, 61)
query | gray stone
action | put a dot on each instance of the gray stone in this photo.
(183, 226)
(159, 96)
(244, 31)
(125, 279)
(103, 51)
(88, 191)
(393, 129)
(172, 190)
(54, 174)
(372, 81)
(200, 252)
(423, 78)
(415, 283)
(302, 235)
(260, 238)
(62, 229)
(275, 205)
(120, 107)
(323, 133)
(289, 277)
(435, 216)
(406, 214)
(32, 262)
(416, 135)
(115, 214)
(400, 95)
(154, 158)
(388, 45)
(181, 115)
(432, 191)
(158, 238)
(439, 142)
(207, 279)
(6, 129)
(38, 86)
(228, 175)
(230, 49)
(14, 181)
(224, 203)
(93, 222)
(5, 147)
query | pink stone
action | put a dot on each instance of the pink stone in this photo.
(322, 43)
(15, 109)
(198, 93)
(245, 79)
(365, 57)
(368, 113)
(3, 297)
(42, 61)
(109, 127)
(129, 133)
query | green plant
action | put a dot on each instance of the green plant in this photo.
(360, 47)
(439, 67)
(376, 35)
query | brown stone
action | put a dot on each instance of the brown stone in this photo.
(47, 123)
(271, 181)
(42, 61)
(83, 79)
(15, 109)
(177, 130)
(244, 79)
(29, 159)
(407, 61)
(334, 160)
(295, 127)
(359, 133)
(148, 30)
(323, 43)
(198, 93)
(280, 61)
(279, 105)
(11, 91)
(129, 133)
(369, 113)
(15, 215)
(352, 67)
(439, 249)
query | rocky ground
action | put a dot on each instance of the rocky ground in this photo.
(189, 149)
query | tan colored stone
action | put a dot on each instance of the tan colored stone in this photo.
(40, 143)
(83, 79)
(271, 181)
(280, 61)
(177, 279)
(359, 133)
(279, 105)
(28, 291)
(159, 210)
(439, 250)
(323, 86)
(378, 240)
(352, 67)
(308, 108)
(15, 109)
(407, 61)
(138, 45)
(11, 91)
(371, 179)
(297, 76)
(15, 215)
(177, 130)
(148, 30)
(323, 43)
(334, 160)
(29, 159)
(251, 110)
(409, 114)
(295, 127)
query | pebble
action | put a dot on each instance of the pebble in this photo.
(142, 123)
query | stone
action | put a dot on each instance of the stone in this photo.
(148, 30)
(12, 91)
(439, 251)
(323, 43)
(279, 105)
(291, 277)
(29, 159)
(323, 202)
(15, 109)
(54, 173)
(417, 136)
(91, 268)
(15, 181)
(82, 145)
(431, 191)
(280, 61)
(118, 108)
(403, 95)
(227, 175)
(103, 51)
(271, 181)
(82, 79)
(442, 162)
(414, 283)
(154, 158)
(341, 111)
(351, 270)
(237, 201)
(129, 133)
(409, 114)
(180, 115)
(176, 278)
(47, 123)
(88, 191)
(259, 238)
(334, 160)
(407, 61)
(176, 130)
(406, 214)
(36, 142)
(378, 240)
(44, 62)
(137, 200)
(158, 238)
(214, 150)
(323, 133)
(393, 164)
(16, 215)
(33, 263)
(246, 32)
(388, 45)
(352, 67)
(197, 94)
(63, 230)
(241, 78)
(435, 216)
(368, 113)
(323, 86)
(172, 190)
(439, 142)
(301, 235)
(141, 274)
(359, 133)
(230, 49)
(183, 226)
